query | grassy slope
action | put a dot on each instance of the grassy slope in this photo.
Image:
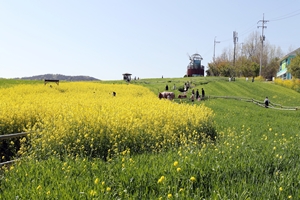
(235, 114)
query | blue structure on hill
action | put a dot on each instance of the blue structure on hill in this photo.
(284, 64)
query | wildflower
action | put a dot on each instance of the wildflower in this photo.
(280, 189)
(108, 189)
(93, 192)
(181, 190)
(48, 192)
(162, 178)
(175, 163)
(290, 196)
(96, 181)
(39, 187)
(193, 179)
(178, 169)
(270, 129)
(169, 196)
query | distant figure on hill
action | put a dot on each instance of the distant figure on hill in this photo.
(203, 93)
(167, 87)
(193, 97)
(267, 101)
(114, 94)
(197, 94)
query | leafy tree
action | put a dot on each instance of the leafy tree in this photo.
(271, 69)
(226, 69)
(294, 66)
(255, 68)
(247, 57)
(213, 70)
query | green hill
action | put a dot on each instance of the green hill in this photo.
(236, 114)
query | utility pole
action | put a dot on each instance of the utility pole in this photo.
(242, 56)
(215, 48)
(235, 39)
(242, 50)
(262, 39)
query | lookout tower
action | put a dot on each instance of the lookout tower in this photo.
(195, 68)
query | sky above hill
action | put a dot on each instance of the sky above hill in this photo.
(148, 39)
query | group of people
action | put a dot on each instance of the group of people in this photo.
(197, 95)
(194, 96)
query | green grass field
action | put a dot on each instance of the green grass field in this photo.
(256, 155)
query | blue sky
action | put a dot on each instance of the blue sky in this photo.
(148, 39)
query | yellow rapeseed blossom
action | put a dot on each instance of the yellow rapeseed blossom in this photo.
(161, 180)
(170, 196)
(175, 163)
(93, 192)
(96, 181)
(193, 179)
(178, 169)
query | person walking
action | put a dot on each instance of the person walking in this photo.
(167, 87)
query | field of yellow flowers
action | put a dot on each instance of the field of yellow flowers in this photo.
(85, 119)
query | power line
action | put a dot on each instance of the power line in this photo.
(248, 30)
(289, 15)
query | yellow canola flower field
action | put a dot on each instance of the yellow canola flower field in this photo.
(85, 119)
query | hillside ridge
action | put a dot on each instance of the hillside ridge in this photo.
(60, 77)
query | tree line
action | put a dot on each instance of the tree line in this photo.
(251, 59)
